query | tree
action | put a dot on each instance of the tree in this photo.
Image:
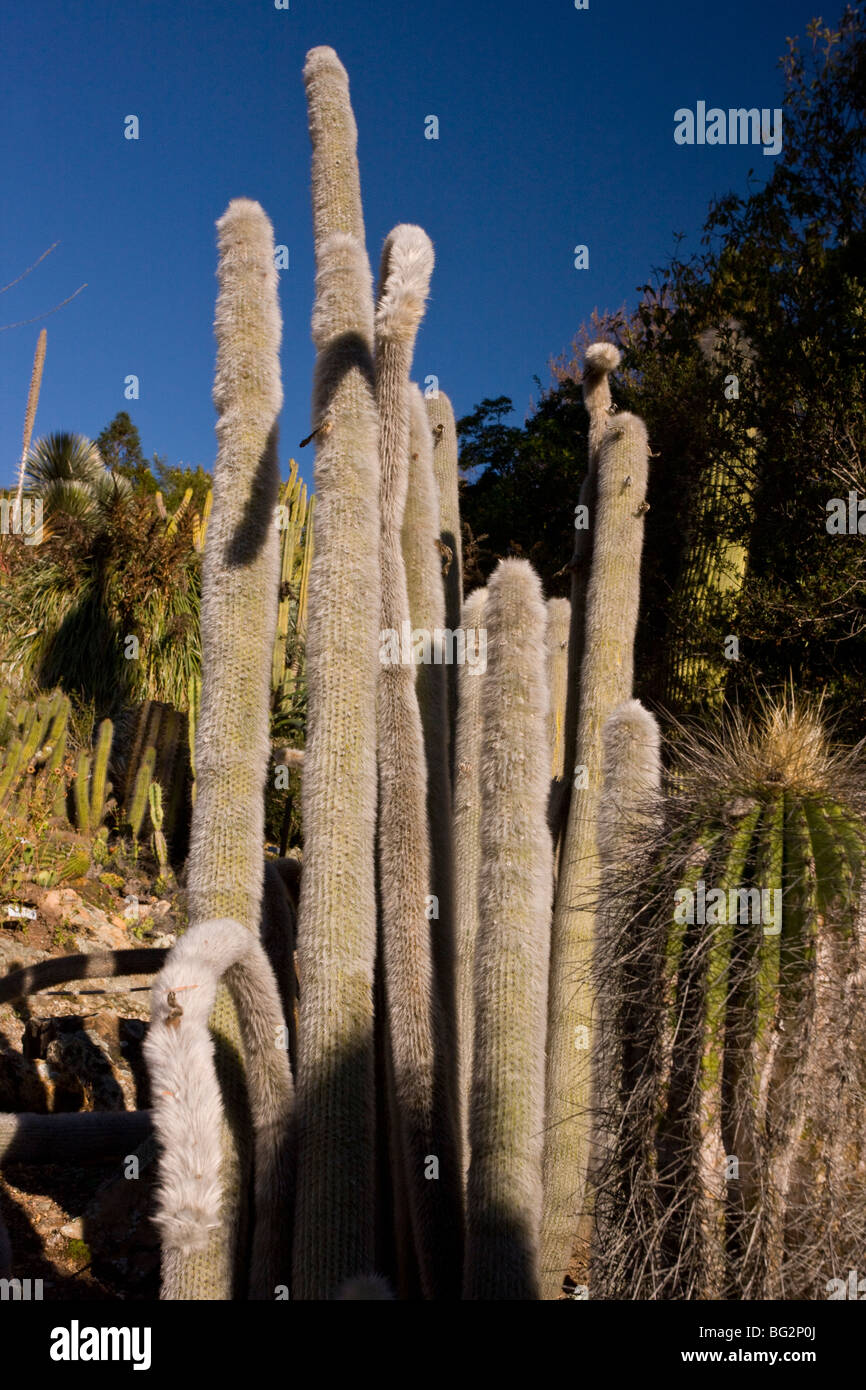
(120, 446)
(748, 363)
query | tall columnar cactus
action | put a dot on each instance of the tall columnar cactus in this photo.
(506, 1112)
(629, 814)
(415, 1007)
(446, 467)
(91, 788)
(334, 1223)
(239, 598)
(558, 623)
(296, 548)
(437, 660)
(601, 359)
(714, 563)
(467, 844)
(607, 642)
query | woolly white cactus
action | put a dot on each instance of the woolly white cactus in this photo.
(506, 1111)
(187, 1107)
(607, 644)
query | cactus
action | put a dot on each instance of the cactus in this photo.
(100, 787)
(737, 1032)
(239, 595)
(295, 557)
(419, 543)
(176, 518)
(162, 737)
(412, 990)
(620, 453)
(630, 813)
(154, 800)
(445, 464)
(199, 523)
(91, 787)
(506, 1113)
(558, 623)
(334, 1217)
(714, 563)
(467, 849)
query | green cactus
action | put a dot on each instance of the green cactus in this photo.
(80, 792)
(736, 1035)
(619, 450)
(714, 563)
(138, 803)
(506, 1112)
(154, 798)
(13, 762)
(100, 787)
(296, 549)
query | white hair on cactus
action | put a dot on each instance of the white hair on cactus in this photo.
(601, 358)
(404, 282)
(179, 1050)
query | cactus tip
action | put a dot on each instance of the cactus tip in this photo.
(601, 358)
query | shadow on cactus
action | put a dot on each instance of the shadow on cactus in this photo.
(737, 960)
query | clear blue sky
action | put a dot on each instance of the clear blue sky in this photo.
(556, 128)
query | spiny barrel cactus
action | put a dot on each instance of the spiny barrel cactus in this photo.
(749, 960)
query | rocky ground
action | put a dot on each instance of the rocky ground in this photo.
(84, 1231)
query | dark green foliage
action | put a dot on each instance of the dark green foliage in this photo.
(777, 297)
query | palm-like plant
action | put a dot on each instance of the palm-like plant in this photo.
(67, 473)
(109, 569)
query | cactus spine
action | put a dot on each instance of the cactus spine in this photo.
(607, 641)
(506, 1113)
(334, 1225)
